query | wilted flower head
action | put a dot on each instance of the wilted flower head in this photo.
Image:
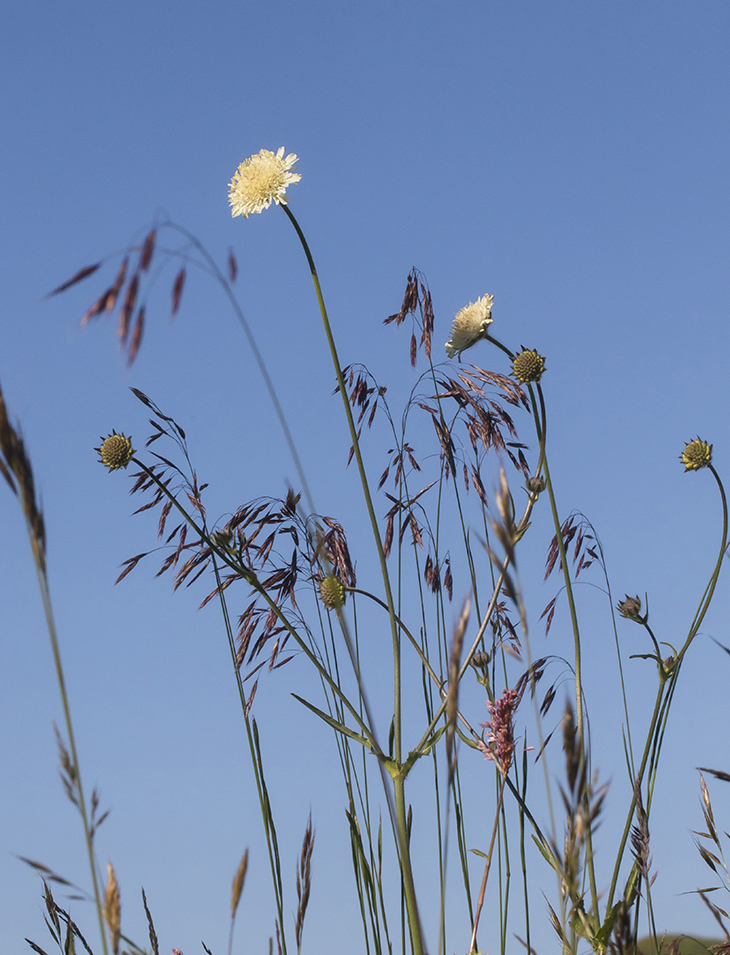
(528, 366)
(500, 744)
(630, 607)
(222, 538)
(116, 451)
(261, 180)
(697, 454)
(470, 324)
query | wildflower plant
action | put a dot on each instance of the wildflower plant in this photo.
(284, 579)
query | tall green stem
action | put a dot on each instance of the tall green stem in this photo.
(398, 781)
(541, 427)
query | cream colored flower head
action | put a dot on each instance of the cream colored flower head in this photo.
(261, 180)
(470, 324)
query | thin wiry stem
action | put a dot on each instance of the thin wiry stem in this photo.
(270, 387)
(541, 427)
(88, 837)
(16, 468)
(487, 866)
(257, 765)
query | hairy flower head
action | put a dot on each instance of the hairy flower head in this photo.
(697, 454)
(261, 180)
(116, 451)
(528, 366)
(470, 324)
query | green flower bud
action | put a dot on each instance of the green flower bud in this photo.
(332, 592)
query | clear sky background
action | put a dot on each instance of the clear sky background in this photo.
(569, 158)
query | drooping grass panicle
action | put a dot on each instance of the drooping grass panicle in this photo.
(417, 297)
(304, 881)
(16, 468)
(113, 908)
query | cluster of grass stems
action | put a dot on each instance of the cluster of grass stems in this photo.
(304, 598)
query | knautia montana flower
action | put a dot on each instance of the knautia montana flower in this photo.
(261, 180)
(528, 366)
(470, 324)
(697, 454)
(500, 743)
(116, 451)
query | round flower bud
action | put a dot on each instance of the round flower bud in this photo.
(528, 366)
(332, 592)
(481, 660)
(116, 451)
(697, 454)
(536, 484)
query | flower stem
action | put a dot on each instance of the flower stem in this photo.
(541, 428)
(487, 866)
(399, 782)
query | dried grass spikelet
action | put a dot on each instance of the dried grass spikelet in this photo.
(113, 907)
(238, 881)
(304, 880)
(452, 698)
(15, 467)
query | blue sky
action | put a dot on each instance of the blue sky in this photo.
(569, 158)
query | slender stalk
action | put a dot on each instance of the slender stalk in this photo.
(88, 838)
(258, 770)
(661, 706)
(639, 777)
(487, 866)
(16, 468)
(398, 780)
(541, 427)
(226, 286)
(710, 589)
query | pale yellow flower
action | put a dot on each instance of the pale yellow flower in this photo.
(470, 324)
(261, 180)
